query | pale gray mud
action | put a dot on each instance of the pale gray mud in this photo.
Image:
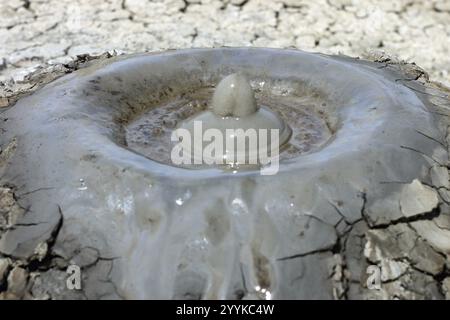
(287, 238)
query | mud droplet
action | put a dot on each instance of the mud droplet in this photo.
(82, 186)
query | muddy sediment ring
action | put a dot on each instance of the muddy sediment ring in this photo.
(91, 160)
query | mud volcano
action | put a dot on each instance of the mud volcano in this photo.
(362, 181)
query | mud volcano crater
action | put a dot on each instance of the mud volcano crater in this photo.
(90, 152)
(152, 107)
(148, 132)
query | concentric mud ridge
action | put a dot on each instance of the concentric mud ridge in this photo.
(381, 203)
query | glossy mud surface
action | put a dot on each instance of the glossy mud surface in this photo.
(149, 132)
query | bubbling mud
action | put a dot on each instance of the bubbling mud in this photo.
(82, 153)
(149, 132)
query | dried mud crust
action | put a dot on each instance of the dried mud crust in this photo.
(411, 251)
(32, 32)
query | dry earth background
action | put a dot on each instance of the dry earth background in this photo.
(36, 31)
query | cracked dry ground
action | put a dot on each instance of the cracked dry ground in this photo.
(412, 252)
(36, 31)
